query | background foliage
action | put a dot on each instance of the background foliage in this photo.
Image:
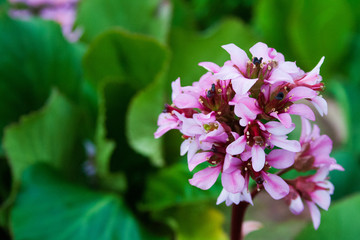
(77, 155)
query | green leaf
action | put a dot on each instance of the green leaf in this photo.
(340, 222)
(170, 187)
(131, 58)
(34, 57)
(48, 135)
(141, 120)
(48, 207)
(270, 20)
(320, 28)
(151, 17)
(190, 48)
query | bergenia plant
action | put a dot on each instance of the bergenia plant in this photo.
(235, 121)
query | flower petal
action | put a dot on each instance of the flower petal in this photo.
(242, 85)
(237, 55)
(280, 159)
(320, 104)
(321, 198)
(210, 66)
(198, 158)
(278, 128)
(275, 185)
(258, 158)
(237, 146)
(205, 178)
(302, 110)
(300, 93)
(296, 205)
(282, 142)
(315, 214)
(233, 182)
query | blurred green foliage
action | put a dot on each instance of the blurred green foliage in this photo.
(108, 89)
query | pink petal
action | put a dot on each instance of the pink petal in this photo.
(278, 128)
(233, 182)
(242, 85)
(305, 129)
(186, 101)
(315, 214)
(258, 158)
(289, 67)
(199, 158)
(321, 198)
(210, 66)
(284, 118)
(300, 93)
(281, 142)
(320, 175)
(280, 159)
(280, 76)
(237, 55)
(176, 88)
(321, 146)
(302, 110)
(237, 146)
(261, 50)
(296, 205)
(275, 185)
(205, 178)
(184, 147)
(320, 104)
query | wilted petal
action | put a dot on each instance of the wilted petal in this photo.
(205, 178)
(280, 159)
(275, 185)
(315, 214)
(302, 110)
(237, 55)
(258, 158)
(233, 182)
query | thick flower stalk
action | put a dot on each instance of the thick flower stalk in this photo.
(60, 11)
(235, 123)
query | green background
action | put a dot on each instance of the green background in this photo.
(108, 89)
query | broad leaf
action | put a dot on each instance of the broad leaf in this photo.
(48, 135)
(48, 207)
(190, 48)
(320, 28)
(151, 17)
(34, 57)
(170, 187)
(340, 222)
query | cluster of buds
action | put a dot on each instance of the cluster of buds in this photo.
(60, 11)
(235, 121)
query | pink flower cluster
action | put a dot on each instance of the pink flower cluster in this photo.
(236, 119)
(60, 11)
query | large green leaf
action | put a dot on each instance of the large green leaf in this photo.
(48, 135)
(190, 48)
(170, 187)
(131, 58)
(48, 207)
(151, 17)
(340, 222)
(34, 57)
(270, 20)
(141, 122)
(320, 28)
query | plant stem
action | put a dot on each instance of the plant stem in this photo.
(237, 217)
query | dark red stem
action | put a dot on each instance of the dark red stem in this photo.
(237, 217)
